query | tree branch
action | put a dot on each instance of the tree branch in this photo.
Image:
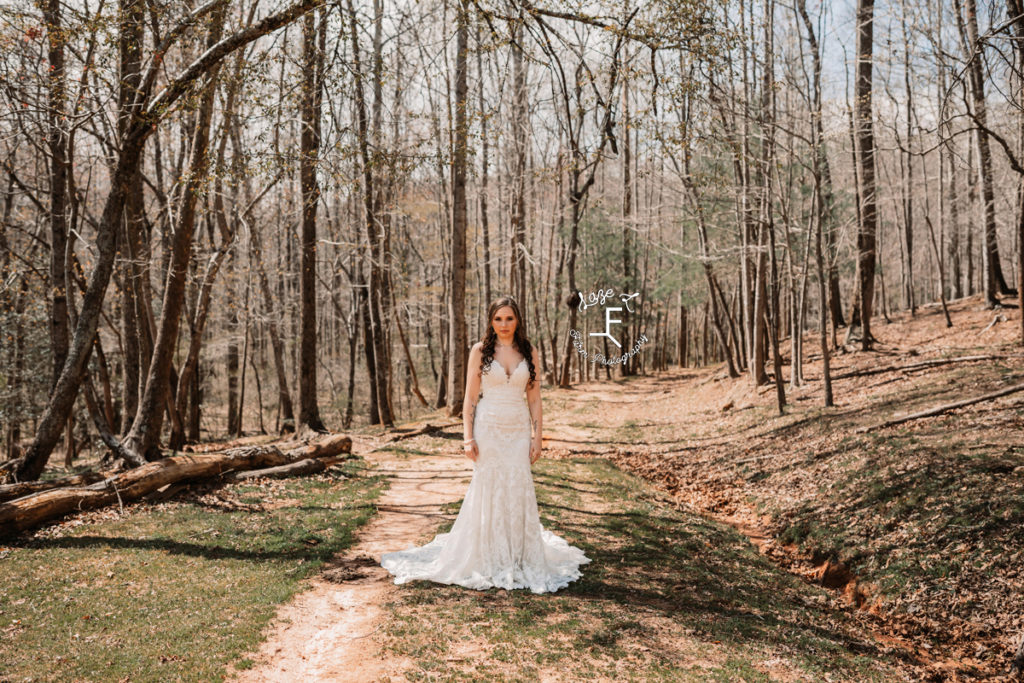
(213, 56)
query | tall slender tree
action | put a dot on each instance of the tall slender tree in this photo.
(864, 154)
(457, 349)
(313, 39)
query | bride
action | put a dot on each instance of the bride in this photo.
(497, 540)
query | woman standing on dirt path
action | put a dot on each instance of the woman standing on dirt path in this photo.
(497, 540)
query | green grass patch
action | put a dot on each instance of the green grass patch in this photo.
(174, 591)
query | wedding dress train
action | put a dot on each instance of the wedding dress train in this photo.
(497, 539)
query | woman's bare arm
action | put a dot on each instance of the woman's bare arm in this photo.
(472, 394)
(536, 413)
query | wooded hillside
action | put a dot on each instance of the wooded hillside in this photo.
(244, 215)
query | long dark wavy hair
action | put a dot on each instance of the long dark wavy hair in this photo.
(519, 339)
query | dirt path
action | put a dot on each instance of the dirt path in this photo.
(332, 630)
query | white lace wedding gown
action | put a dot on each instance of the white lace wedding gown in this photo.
(497, 540)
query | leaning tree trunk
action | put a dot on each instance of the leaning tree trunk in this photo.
(146, 117)
(578, 190)
(705, 259)
(144, 438)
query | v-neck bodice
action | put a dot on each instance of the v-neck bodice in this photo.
(497, 381)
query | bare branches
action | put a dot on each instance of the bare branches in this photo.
(650, 37)
(213, 56)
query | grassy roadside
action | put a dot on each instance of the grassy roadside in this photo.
(667, 596)
(172, 591)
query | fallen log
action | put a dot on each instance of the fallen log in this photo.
(32, 509)
(306, 459)
(323, 448)
(11, 491)
(292, 469)
(164, 492)
(931, 412)
(28, 511)
(914, 366)
(427, 428)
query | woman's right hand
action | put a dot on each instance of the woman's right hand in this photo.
(471, 451)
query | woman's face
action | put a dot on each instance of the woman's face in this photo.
(504, 322)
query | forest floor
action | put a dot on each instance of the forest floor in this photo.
(728, 542)
(917, 528)
(752, 545)
(861, 553)
(669, 595)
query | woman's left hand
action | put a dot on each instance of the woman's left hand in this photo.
(535, 451)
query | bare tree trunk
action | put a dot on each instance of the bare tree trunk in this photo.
(312, 92)
(822, 200)
(517, 216)
(378, 364)
(956, 277)
(240, 417)
(484, 168)
(908, 178)
(283, 395)
(145, 119)
(144, 437)
(57, 141)
(865, 156)
(991, 273)
(972, 198)
(457, 350)
(947, 160)
(1016, 10)
(826, 369)
(682, 350)
(137, 340)
(759, 338)
(232, 364)
(767, 216)
(628, 281)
